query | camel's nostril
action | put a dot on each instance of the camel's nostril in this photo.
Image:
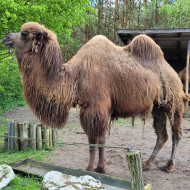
(7, 43)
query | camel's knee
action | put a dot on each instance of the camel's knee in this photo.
(165, 137)
(162, 135)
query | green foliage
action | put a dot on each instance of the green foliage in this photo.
(177, 14)
(61, 16)
(10, 84)
(164, 14)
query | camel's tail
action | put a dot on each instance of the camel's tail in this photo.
(143, 47)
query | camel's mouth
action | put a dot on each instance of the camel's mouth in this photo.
(7, 42)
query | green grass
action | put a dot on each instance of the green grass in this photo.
(124, 121)
(127, 121)
(12, 156)
(7, 157)
(24, 183)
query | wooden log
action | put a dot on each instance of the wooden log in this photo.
(10, 138)
(50, 137)
(54, 137)
(5, 141)
(135, 168)
(46, 138)
(33, 136)
(39, 136)
(23, 130)
(16, 130)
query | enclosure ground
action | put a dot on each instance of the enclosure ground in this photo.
(122, 134)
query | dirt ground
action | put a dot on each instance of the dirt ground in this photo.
(122, 134)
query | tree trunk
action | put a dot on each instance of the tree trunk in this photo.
(100, 16)
(125, 16)
(116, 19)
(145, 19)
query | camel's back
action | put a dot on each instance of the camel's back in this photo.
(128, 80)
(110, 74)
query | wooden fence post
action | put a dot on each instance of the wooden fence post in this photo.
(16, 140)
(33, 136)
(39, 136)
(135, 168)
(187, 71)
(11, 134)
(50, 137)
(46, 137)
(23, 129)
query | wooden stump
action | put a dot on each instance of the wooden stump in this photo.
(39, 136)
(135, 168)
(33, 136)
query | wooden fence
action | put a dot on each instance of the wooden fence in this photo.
(22, 136)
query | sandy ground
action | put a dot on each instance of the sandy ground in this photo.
(122, 134)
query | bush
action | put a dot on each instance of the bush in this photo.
(10, 85)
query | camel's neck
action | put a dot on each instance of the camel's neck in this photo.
(48, 86)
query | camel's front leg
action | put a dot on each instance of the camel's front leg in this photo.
(101, 163)
(94, 123)
(92, 150)
(159, 124)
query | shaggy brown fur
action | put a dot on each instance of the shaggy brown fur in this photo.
(104, 80)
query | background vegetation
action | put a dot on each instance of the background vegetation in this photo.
(75, 22)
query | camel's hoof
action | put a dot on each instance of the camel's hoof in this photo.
(100, 170)
(90, 169)
(169, 168)
(146, 166)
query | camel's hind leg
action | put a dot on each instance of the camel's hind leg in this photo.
(160, 119)
(176, 136)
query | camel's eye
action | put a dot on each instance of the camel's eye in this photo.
(24, 35)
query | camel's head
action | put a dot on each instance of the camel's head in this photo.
(31, 38)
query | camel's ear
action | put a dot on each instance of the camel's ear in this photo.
(40, 35)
